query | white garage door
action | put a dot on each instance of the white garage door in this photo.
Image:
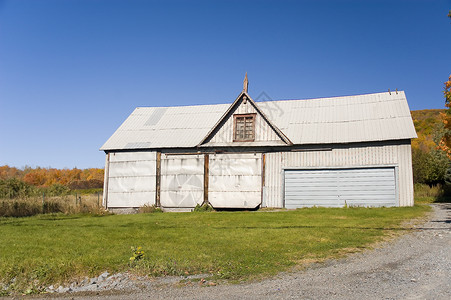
(235, 180)
(340, 187)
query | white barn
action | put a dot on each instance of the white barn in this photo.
(333, 152)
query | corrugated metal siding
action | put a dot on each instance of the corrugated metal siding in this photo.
(372, 155)
(264, 134)
(405, 176)
(235, 180)
(131, 181)
(181, 180)
(339, 187)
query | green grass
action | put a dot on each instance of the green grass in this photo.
(51, 249)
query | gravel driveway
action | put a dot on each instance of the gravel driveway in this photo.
(414, 266)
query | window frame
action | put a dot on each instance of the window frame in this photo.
(235, 118)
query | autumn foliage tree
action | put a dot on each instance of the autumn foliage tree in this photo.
(46, 177)
(445, 142)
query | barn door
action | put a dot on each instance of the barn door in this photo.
(235, 180)
(181, 180)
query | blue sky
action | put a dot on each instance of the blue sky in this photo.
(71, 71)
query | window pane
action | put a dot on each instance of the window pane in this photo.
(244, 128)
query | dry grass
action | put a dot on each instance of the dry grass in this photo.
(432, 194)
(70, 204)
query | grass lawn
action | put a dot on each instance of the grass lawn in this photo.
(51, 249)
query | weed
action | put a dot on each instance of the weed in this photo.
(137, 255)
(203, 208)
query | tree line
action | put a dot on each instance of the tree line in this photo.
(27, 182)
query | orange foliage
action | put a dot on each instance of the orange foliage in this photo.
(44, 177)
(445, 142)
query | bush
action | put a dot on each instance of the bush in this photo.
(56, 190)
(17, 208)
(86, 184)
(429, 167)
(14, 188)
(203, 208)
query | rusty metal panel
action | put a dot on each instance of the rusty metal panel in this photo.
(182, 180)
(235, 180)
(131, 179)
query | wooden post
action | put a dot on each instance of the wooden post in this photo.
(157, 181)
(263, 175)
(106, 180)
(43, 202)
(206, 168)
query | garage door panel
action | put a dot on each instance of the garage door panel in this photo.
(339, 187)
(314, 202)
(374, 203)
(357, 183)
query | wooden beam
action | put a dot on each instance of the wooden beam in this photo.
(158, 178)
(206, 174)
(263, 174)
(106, 180)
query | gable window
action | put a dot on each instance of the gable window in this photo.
(244, 128)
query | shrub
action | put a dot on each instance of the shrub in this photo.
(56, 190)
(14, 188)
(203, 208)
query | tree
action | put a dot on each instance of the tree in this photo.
(445, 142)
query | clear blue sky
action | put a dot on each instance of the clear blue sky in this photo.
(72, 71)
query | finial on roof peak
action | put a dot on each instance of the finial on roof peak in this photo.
(245, 83)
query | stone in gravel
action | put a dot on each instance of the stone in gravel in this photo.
(103, 276)
(61, 289)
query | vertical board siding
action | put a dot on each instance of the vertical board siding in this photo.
(105, 181)
(131, 179)
(377, 155)
(263, 132)
(182, 180)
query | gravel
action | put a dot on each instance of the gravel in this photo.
(416, 265)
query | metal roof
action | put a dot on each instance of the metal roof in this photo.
(361, 118)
